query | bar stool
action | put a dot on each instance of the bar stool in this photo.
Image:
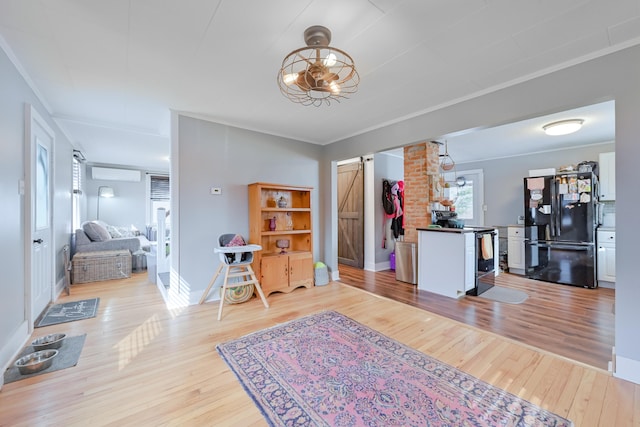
(236, 263)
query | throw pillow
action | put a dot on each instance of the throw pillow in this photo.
(96, 232)
(236, 241)
(113, 231)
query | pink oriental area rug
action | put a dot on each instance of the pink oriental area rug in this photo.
(329, 370)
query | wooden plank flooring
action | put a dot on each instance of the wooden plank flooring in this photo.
(573, 322)
(144, 364)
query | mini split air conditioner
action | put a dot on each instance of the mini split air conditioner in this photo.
(111, 174)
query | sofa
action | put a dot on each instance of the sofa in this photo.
(99, 236)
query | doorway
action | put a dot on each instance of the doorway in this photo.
(40, 140)
(351, 213)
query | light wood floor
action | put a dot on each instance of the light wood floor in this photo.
(146, 365)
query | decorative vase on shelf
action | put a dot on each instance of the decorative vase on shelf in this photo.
(282, 202)
(272, 224)
(289, 222)
(282, 244)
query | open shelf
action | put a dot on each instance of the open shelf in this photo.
(288, 208)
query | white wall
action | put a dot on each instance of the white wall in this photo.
(611, 77)
(127, 208)
(15, 94)
(215, 155)
(504, 178)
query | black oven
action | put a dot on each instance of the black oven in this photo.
(484, 261)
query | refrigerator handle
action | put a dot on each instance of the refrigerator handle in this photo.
(554, 204)
(558, 208)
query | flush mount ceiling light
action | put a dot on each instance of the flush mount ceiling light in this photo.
(563, 127)
(317, 74)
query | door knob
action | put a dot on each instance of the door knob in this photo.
(38, 241)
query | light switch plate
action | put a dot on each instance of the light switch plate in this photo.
(216, 190)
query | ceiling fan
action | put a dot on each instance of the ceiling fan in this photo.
(317, 74)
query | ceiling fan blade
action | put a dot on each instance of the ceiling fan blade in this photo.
(305, 80)
(328, 77)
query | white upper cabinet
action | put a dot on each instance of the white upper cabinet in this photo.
(607, 165)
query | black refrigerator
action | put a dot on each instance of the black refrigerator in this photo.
(560, 223)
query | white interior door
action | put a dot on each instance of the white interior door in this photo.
(39, 200)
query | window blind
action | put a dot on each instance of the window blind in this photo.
(77, 176)
(160, 187)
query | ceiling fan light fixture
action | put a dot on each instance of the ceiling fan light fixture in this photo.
(563, 127)
(289, 79)
(318, 74)
(330, 60)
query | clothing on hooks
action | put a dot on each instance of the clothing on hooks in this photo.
(393, 205)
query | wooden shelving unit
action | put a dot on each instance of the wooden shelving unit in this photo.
(279, 272)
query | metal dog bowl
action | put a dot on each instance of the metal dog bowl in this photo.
(48, 342)
(35, 362)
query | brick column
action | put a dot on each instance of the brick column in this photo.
(421, 167)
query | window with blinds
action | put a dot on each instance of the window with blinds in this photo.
(159, 187)
(76, 191)
(77, 177)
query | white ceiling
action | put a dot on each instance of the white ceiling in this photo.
(111, 71)
(527, 136)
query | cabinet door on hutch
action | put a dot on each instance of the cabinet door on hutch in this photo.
(300, 269)
(274, 273)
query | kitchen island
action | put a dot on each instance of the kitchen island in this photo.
(455, 262)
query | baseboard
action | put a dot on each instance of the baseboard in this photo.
(612, 362)
(627, 369)
(605, 284)
(14, 345)
(370, 266)
(379, 266)
(212, 297)
(382, 266)
(174, 298)
(163, 290)
(59, 288)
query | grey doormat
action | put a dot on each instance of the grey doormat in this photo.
(500, 294)
(68, 356)
(69, 311)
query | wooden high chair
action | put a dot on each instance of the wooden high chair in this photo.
(236, 263)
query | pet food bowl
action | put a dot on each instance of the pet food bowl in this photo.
(48, 342)
(35, 362)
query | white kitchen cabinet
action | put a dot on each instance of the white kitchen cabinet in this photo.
(607, 168)
(606, 241)
(515, 249)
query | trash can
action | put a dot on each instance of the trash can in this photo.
(407, 262)
(139, 261)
